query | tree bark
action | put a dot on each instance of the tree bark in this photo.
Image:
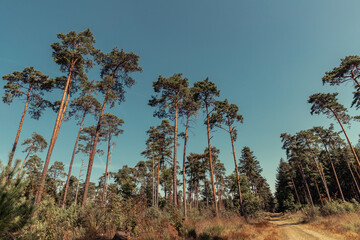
(184, 160)
(158, 178)
(320, 172)
(54, 135)
(153, 177)
(317, 188)
(347, 138)
(11, 156)
(352, 174)
(175, 161)
(22, 165)
(306, 185)
(106, 170)
(72, 160)
(210, 162)
(236, 168)
(336, 177)
(92, 154)
(297, 195)
(78, 184)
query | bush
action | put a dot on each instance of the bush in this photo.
(338, 207)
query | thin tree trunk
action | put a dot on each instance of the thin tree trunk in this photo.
(320, 172)
(306, 185)
(153, 177)
(297, 195)
(54, 135)
(210, 161)
(184, 160)
(72, 160)
(347, 138)
(175, 155)
(11, 156)
(236, 168)
(92, 154)
(317, 188)
(336, 177)
(158, 178)
(78, 184)
(108, 175)
(106, 170)
(352, 174)
(22, 165)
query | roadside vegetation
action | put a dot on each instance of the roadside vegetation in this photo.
(40, 199)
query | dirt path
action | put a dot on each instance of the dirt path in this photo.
(290, 229)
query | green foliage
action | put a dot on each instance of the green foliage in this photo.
(15, 210)
(338, 207)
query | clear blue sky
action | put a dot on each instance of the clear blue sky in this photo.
(265, 56)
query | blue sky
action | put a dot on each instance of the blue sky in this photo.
(265, 56)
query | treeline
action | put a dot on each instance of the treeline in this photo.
(154, 181)
(321, 166)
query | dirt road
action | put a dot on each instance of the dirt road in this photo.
(290, 229)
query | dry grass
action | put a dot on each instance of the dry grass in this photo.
(229, 228)
(345, 225)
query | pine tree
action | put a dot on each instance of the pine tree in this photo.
(31, 84)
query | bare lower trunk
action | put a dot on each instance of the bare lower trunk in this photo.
(210, 162)
(153, 177)
(92, 154)
(158, 179)
(356, 183)
(106, 170)
(317, 188)
(54, 136)
(22, 165)
(72, 160)
(347, 138)
(78, 184)
(307, 186)
(321, 173)
(11, 156)
(175, 161)
(184, 160)
(236, 169)
(297, 195)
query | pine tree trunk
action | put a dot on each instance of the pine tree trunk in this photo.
(320, 172)
(352, 174)
(184, 161)
(236, 168)
(22, 165)
(175, 155)
(336, 177)
(210, 162)
(307, 186)
(158, 178)
(72, 160)
(54, 135)
(78, 184)
(11, 156)
(297, 195)
(106, 170)
(153, 177)
(347, 138)
(318, 191)
(92, 154)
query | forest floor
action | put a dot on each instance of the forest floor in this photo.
(292, 227)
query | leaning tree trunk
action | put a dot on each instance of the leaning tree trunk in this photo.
(352, 174)
(22, 165)
(210, 161)
(106, 170)
(153, 177)
(92, 154)
(318, 191)
(11, 156)
(297, 195)
(175, 161)
(347, 138)
(184, 160)
(336, 177)
(72, 160)
(306, 186)
(320, 172)
(236, 168)
(54, 135)
(78, 184)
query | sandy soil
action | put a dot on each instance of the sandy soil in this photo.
(290, 229)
